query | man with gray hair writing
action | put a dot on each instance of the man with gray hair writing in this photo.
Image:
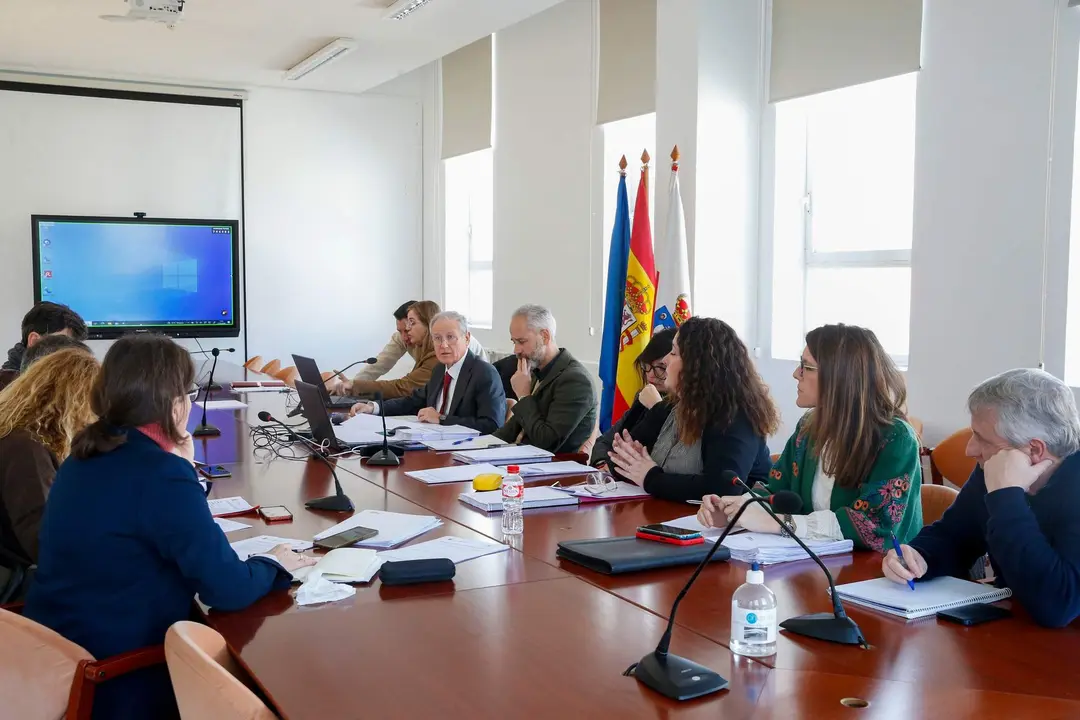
(1020, 503)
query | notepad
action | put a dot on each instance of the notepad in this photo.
(230, 506)
(456, 550)
(393, 528)
(504, 455)
(928, 597)
(343, 565)
(535, 497)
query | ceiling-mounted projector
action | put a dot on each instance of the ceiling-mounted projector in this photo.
(167, 12)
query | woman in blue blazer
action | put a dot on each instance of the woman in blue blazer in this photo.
(127, 539)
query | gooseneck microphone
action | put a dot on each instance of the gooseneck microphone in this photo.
(213, 386)
(677, 677)
(369, 361)
(339, 502)
(834, 627)
(204, 429)
(384, 457)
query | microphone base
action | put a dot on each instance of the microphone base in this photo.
(205, 430)
(383, 458)
(295, 411)
(676, 677)
(826, 626)
(333, 503)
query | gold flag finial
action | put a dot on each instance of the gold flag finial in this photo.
(645, 157)
(675, 154)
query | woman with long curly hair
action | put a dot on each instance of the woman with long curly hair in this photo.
(716, 419)
(854, 458)
(40, 414)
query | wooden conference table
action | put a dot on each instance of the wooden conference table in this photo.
(524, 634)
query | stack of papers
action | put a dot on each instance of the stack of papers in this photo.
(360, 430)
(455, 549)
(766, 548)
(504, 455)
(621, 490)
(419, 432)
(264, 544)
(393, 528)
(466, 473)
(228, 526)
(535, 497)
(477, 442)
(227, 507)
(343, 565)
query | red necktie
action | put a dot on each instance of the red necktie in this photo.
(444, 406)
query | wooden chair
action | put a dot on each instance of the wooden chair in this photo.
(948, 460)
(254, 363)
(45, 676)
(936, 499)
(288, 375)
(271, 367)
(206, 679)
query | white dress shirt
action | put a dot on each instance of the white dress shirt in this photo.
(821, 524)
(454, 371)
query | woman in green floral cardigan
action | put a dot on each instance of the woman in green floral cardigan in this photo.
(854, 459)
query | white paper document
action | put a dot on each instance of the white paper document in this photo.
(265, 543)
(454, 473)
(690, 522)
(273, 388)
(455, 549)
(228, 526)
(504, 455)
(535, 497)
(767, 548)
(478, 442)
(393, 528)
(343, 565)
(360, 429)
(620, 490)
(223, 507)
(224, 405)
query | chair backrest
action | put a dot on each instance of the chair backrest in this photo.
(948, 460)
(206, 679)
(37, 666)
(271, 367)
(254, 363)
(288, 375)
(936, 499)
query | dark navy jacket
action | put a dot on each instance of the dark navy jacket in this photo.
(127, 541)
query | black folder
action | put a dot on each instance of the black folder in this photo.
(614, 556)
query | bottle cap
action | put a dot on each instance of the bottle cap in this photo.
(513, 469)
(754, 575)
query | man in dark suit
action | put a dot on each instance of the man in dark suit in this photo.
(556, 408)
(463, 390)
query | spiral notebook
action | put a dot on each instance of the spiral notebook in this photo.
(928, 597)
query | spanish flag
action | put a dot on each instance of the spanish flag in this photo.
(639, 301)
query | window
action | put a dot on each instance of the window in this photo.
(842, 227)
(627, 137)
(470, 237)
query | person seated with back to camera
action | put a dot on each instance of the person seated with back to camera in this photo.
(417, 323)
(652, 364)
(127, 540)
(853, 458)
(556, 408)
(715, 420)
(397, 347)
(463, 390)
(1020, 504)
(43, 320)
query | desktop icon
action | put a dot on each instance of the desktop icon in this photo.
(46, 259)
(46, 242)
(48, 273)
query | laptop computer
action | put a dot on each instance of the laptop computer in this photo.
(314, 411)
(309, 373)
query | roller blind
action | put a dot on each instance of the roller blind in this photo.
(822, 45)
(627, 87)
(466, 99)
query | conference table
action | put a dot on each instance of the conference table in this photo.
(523, 633)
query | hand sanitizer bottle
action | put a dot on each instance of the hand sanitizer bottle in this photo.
(753, 616)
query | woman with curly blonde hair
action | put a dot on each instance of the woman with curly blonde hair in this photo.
(715, 421)
(40, 413)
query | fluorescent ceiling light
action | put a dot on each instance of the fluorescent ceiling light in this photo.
(402, 8)
(316, 60)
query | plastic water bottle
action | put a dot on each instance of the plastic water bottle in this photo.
(513, 495)
(753, 616)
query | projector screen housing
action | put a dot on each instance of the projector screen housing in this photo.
(178, 277)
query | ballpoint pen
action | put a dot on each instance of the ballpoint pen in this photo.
(900, 557)
(462, 441)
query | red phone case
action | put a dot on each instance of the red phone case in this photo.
(670, 540)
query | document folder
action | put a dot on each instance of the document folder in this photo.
(614, 556)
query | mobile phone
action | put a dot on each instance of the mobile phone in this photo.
(669, 531)
(346, 538)
(699, 540)
(213, 472)
(974, 614)
(275, 513)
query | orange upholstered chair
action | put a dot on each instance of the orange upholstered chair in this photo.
(206, 680)
(254, 363)
(948, 461)
(43, 676)
(936, 499)
(271, 367)
(288, 375)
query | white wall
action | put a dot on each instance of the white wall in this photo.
(334, 220)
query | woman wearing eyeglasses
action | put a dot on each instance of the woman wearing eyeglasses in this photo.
(652, 364)
(716, 419)
(127, 540)
(854, 458)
